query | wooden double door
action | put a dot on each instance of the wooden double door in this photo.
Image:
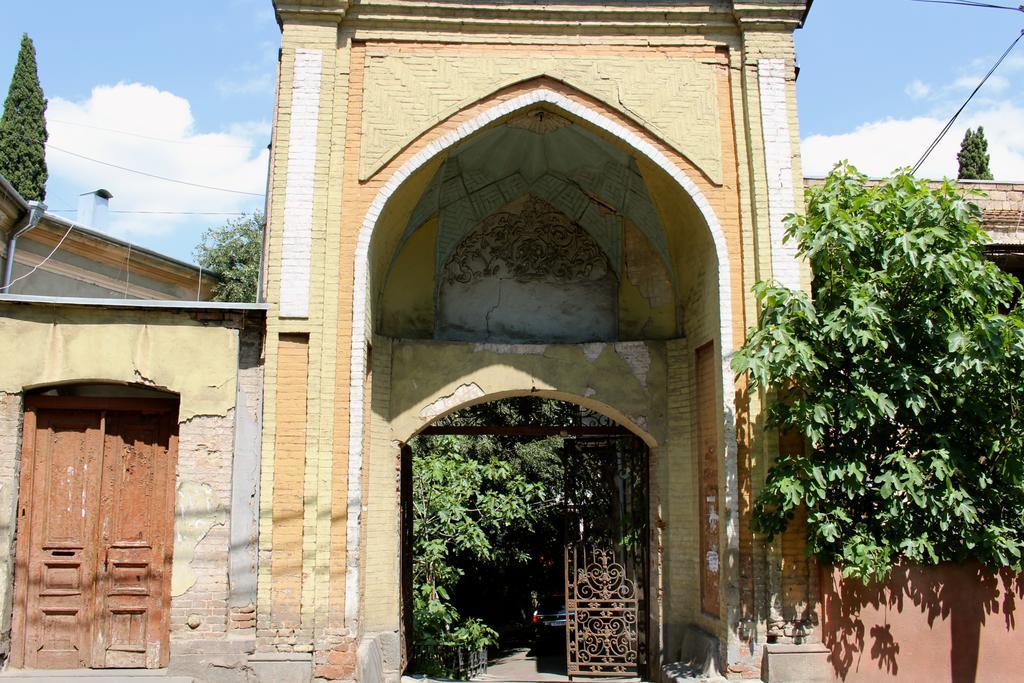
(95, 525)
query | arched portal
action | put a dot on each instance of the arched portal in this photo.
(96, 501)
(529, 518)
(544, 246)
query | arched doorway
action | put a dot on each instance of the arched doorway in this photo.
(526, 544)
(95, 529)
(543, 247)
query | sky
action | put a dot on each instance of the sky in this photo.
(185, 90)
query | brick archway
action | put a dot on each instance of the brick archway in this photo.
(637, 144)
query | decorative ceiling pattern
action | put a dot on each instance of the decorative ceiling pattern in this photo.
(542, 154)
(531, 241)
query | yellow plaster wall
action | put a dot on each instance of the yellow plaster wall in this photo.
(166, 350)
(429, 379)
(407, 308)
(647, 297)
(426, 379)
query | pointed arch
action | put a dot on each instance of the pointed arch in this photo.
(359, 329)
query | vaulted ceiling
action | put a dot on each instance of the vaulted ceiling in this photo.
(540, 153)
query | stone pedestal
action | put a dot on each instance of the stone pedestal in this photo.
(275, 667)
(796, 664)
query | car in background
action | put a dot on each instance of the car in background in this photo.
(548, 622)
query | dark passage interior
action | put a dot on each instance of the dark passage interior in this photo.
(526, 544)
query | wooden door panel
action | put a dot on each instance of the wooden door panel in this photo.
(67, 472)
(133, 467)
(93, 556)
(61, 565)
(134, 526)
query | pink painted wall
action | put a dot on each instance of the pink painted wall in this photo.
(961, 624)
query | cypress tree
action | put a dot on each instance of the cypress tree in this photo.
(973, 156)
(23, 128)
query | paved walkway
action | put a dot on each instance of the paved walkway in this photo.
(518, 666)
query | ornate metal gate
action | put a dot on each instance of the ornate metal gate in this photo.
(606, 556)
(602, 614)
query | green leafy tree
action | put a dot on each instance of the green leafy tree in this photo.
(232, 251)
(973, 156)
(23, 128)
(459, 504)
(905, 376)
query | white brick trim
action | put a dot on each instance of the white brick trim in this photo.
(778, 156)
(297, 233)
(359, 330)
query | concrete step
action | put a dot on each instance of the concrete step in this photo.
(91, 675)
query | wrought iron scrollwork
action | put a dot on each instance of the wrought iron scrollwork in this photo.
(602, 614)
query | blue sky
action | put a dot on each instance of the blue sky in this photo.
(193, 82)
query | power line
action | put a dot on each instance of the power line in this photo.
(171, 213)
(148, 137)
(152, 175)
(971, 3)
(949, 124)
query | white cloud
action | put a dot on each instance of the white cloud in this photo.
(879, 147)
(163, 141)
(994, 84)
(917, 89)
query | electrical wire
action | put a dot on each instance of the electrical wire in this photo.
(147, 137)
(166, 213)
(39, 265)
(971, 3)
(952, 120)
(152, 175)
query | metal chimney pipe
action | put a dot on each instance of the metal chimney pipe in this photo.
(92, 208)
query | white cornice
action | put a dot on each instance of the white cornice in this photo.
(656, 19)
(310, 10)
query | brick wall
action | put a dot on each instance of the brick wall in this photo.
(390, 98)
(289, 466)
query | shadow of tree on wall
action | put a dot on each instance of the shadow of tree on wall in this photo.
(917, 611)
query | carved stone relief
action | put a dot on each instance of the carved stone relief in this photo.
(527, 273)
(536, 242)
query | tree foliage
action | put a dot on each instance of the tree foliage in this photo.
(232, 251)
(905, 375)
(460, 505)
(23, 128)
(973, 156)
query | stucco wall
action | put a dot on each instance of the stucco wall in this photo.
(48, 345)
(924, 624)
(625, 380)
(416, 382)
(674, 91)
(10, 446)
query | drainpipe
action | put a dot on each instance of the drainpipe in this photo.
(27, 222)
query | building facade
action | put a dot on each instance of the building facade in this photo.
(652, 150)
(467, 202)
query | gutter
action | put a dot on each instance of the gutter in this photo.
(165, 304)
(27, 222)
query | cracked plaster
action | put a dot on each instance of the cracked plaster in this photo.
(196, 512)
(59, 345)
(463, 394)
